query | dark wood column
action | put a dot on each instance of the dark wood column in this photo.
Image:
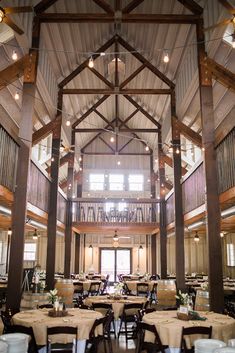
(69, 215)
(154, 253)
(162, 206)
(153, 188)
(77, 253)
(178, 203)
(19, 208)
(215, 267)
(52, 215)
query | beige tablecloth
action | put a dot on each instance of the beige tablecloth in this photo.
(117, 305)
(39, 321)
(87, 283)
(169, 327)
(132, 285)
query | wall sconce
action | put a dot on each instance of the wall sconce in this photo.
(196, 238)
(9, 232)
(35, 234)
(221, 234)
(91, 253)
(139, 250)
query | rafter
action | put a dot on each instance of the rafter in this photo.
(63, 160)
(192, 6)
(43, 132)
(88, 130)
(107, 144)
(89, 111)
(43, 5)
(133, 75)
(168, 160)
(188, 132)
(116, 91)
(101, 77)
(101, 116)
(126, 144)
(139, 130)
(228, 6)
(129, 117)
(221, 74)
(13, 72)
(103, 5)
(143, 111)
(84, 65)
(147, 63)
(131, 6)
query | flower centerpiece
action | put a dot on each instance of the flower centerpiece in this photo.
(204, 286)
(42, 286)
(53, 297)
(118, 289)
(182, 298)
(147, 276)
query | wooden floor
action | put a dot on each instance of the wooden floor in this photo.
(119, 345)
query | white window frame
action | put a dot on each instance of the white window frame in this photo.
(136, 185)
(116, 185)
(96, 185)
(231, 254)
(32, 251)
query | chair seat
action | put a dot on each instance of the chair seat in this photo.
(60, 347)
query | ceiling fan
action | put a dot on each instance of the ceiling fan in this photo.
(225, 22)
(116, 237)
(5, 11)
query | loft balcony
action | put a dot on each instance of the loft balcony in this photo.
(136, 215)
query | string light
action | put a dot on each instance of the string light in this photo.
(102, 53)
(80, 159)
(177, 150)
(9, 232)
(221, 234)
(14, 55)
(52, 159)
(17, 96)
(68, 123)
(118, 162)
(147, 148)
(91, 62)
(2, 14)
(166, 58)
(196, 238)
(170, 150)
(35, 234)
(112, 139)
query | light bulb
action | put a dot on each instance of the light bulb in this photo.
(196, 238)
(170, 149)
(80, 159)
(233, 44)
(166, 58)
(14, 55)
(177, 151)
(80, 169)
(118, 162)
(17, 96)
(102, 54)
(221, 234)
(147, 148)
(91, 62)
(112, 139)
(68, 123)
(9, 232)
(2, 14)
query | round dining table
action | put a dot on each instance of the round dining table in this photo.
(39, 320)
(132, 285)
(117, 304)
(86, 283)
(169, 327)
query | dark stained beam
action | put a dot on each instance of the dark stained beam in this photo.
(154, 253)
(133, 75)
(43, 5)
(63, 160)
(111, 154)
(192, 6)
(126, 18)
(188, 133)
(89, 111)
(84, 65)
(128, 118)
(131, 6)
(143, 111)
(132, 91)
(228, 6)
(104, 5)
(101, 116)
(13, 72)
(168, 160)
(221, 74)
(107, 144)
(43, 132)
(126, 144)
(147, 63)
(139, 130)
(101, 77)
(87, 130)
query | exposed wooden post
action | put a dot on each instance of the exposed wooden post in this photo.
(77, 253)
(178, 202)
(153, 189)
(23, 170)
(215, 267)
(69, 215)
(52, 215)
(154, 253)
(162, 205)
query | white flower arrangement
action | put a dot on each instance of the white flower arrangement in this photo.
(204, 286)
(118, 287)
(182, 297)
(53, 297)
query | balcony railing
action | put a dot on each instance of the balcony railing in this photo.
(95, 210)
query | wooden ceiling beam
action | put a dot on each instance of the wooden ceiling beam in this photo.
(143, 111)
(89, 111)
(107, 144)
(101, 77)
(108, 18)
(131, 6)
(147, 63)
(126, 144)
(87, 130)
(84, 65)
(192, 6)
(221, 74)
(168, 160)
(13, 72)
(43, 5)
(228, 6)
(63, 160)
(133, 75)
(132, 91)
(103, 5)
(128, 118)
(101, 116)
(43, 132)
(139, 130)
(188, 133)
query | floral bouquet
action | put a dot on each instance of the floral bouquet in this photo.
(204, 286)
(118, 287)
(183, 298)
(53, 297)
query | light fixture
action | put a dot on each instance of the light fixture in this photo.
(80, 169)
(102, 53)
(14, 55)
(17, 96)
(91, 62)
(68, 123)
(140, 247)
(52, 159)
(147, 148)
(170, 150)
(90, 246)
(2, 14)
(166, 58)
(80, 159)
(35, 234)
(112, 139)
(115, 237)
(9, 232)
(118, 162)
(177, 150)
(196, 238)
(221, 234)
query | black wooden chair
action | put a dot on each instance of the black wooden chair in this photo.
(153, 294)
(60, 347)
(6, 317)
(32, 348)
(194, 330)
(142, 290)
(93, 343)
(94, 288)
(104, 309)
(45, 306)
(150, 347)
(129, 317)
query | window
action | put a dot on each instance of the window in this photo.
(136, 182)
(108, 206)
(116, 182)
(230, 254)
(96, 181)
(30, 251)
(121, 206)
